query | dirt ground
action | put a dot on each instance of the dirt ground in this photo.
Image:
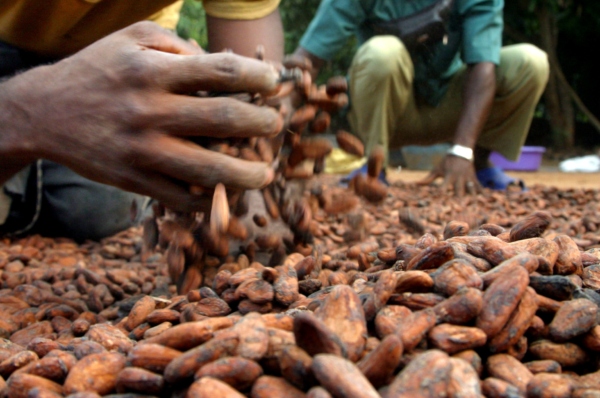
(557, 179)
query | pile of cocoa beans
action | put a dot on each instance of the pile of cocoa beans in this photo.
(416, 294)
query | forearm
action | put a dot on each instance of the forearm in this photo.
(244, 36)
(17, 148)
(478, 95)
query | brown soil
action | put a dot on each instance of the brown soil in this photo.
(557, 179)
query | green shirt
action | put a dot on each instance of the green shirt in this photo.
(474, 35)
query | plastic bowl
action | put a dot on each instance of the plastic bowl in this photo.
(530, 159)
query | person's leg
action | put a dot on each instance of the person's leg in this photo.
(78, 208)
(521, 79)
(381, 79)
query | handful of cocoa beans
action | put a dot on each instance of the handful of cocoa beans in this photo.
(186, 239)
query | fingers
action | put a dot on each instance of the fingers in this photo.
(188, 162)
(217, 72)
(459, 187)
(434, 175)
(167, 191)
(473, 186)
(194, 43)
(216, 117)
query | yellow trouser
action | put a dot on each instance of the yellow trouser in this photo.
(385, 111)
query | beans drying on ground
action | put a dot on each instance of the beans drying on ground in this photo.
(418, 293)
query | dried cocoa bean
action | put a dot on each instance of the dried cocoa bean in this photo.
(96, 372)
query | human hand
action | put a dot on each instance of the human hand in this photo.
(458, 174)
(117, 113)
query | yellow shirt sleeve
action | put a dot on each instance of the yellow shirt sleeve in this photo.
(240, 9)
(168, 16)
(226, 9)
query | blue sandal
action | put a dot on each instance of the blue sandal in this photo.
(363, 170)
(494, 178)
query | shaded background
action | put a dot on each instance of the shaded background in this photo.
(566, 120)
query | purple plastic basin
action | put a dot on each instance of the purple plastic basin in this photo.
(530, 160)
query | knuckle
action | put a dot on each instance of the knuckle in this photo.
(143, 28)
(229, 67)
(137, 71)
(225, 112)
(137, 112)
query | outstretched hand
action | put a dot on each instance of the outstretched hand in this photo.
(118, 111)
(458, 174)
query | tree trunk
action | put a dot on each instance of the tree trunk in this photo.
(558, 102)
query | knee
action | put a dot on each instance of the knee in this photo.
(383, 56)
(534, 64)
(94, 212)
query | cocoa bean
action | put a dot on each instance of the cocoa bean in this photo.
(240, 373)
(190, 335)
(350, 143)
(531, 226)
(96, 372)
(500, 300)
(544, 366)
(574, 318)
(507, 368)
(315, 337)
(460, 308)
(269, 386)
(253, 337)
(427, 375)
(19, 385)
(566, 354)
(140, 381)
(379, 365)
(152, 357)
(208, 387)
(463, 380)
(497, 388)
(343, 314)
(544, 385)
(184, 366)
(341, 377)
(453, 338)
(517, 324)
(295, 364)
(453, 276)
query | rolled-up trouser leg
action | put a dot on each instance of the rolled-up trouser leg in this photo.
(381, 79)
(77, 208)
(521, 79)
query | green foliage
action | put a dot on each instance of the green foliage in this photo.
(192, 22)
(296, 16)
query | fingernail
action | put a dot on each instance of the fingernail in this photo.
(270, 175)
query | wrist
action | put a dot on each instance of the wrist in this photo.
(461, 151)
(17, 144)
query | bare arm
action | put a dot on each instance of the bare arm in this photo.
(16, 146)
(243, 36)
(115, 113)
(478, 96)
